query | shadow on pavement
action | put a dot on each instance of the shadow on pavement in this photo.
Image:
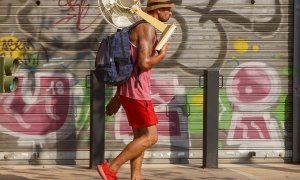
(12, 177)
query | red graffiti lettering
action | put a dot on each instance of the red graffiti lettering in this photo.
(77, 10)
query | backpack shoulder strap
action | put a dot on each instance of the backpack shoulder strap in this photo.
(136, 24)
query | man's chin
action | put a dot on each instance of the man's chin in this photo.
(164, 20)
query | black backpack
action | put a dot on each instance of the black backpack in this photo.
(113, 60)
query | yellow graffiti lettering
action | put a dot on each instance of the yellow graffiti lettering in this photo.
(13, 47)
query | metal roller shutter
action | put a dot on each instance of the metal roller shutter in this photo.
(46, 121)
(250, 45)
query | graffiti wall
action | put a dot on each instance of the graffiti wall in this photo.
(46, 121)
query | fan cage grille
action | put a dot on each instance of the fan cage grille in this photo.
(117, 12)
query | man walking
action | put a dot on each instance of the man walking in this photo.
(134, 95)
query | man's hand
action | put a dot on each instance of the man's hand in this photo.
(113, 106)
(163, 50)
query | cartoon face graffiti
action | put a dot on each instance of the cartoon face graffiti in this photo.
(251, 85)
(38, 109)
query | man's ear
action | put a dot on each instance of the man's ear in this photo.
(158, 10)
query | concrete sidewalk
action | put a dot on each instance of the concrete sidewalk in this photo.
(154, 172)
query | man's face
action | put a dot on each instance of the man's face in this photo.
(164, 14)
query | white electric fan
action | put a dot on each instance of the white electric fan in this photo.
(122, 13)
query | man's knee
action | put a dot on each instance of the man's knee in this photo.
(150, 140)
(154, 135)
(153, 139)
(149, 135)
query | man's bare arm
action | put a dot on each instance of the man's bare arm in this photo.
(146, 34)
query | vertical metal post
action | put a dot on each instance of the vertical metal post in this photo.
(2, 74)
(296, 88)
(210, 119)
(97, 124)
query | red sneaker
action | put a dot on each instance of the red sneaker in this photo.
(106, 173)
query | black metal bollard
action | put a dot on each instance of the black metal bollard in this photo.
(210, 119)
(97, 122)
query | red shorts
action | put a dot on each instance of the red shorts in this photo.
(140, 113)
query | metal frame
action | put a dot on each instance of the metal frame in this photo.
(296, 78)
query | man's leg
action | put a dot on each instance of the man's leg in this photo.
(136, 163)
(136, 167)
(136, 147)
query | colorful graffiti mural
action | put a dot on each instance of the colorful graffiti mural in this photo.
(57, 40)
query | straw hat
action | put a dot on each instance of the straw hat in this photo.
(156, 4)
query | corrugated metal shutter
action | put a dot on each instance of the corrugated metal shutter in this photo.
(251, 47)
(256, 104)
(47, 120)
